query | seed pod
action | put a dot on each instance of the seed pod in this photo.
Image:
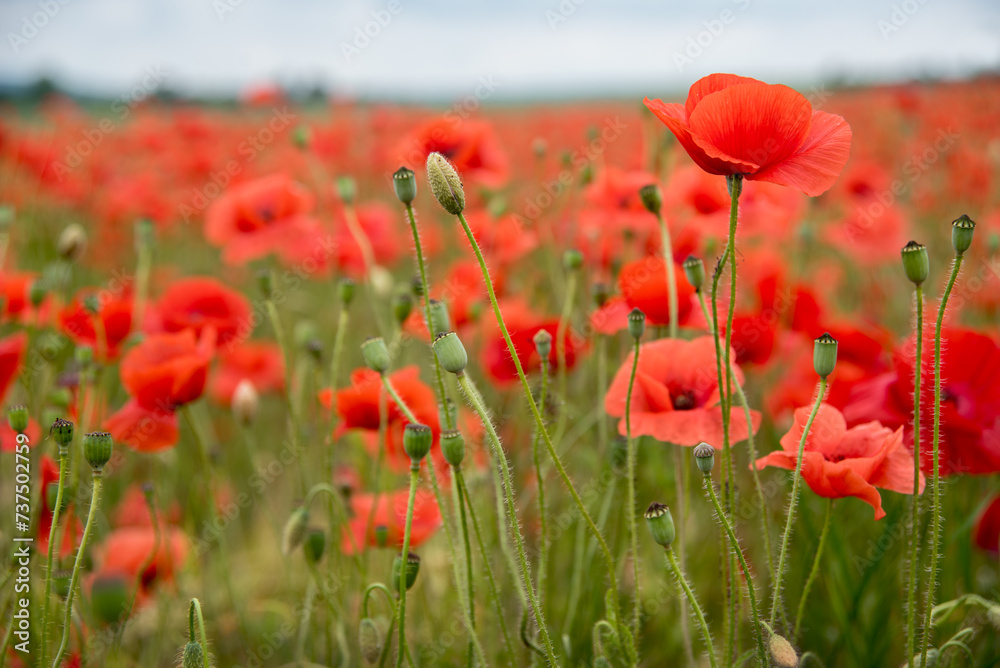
(694, 270)
(652, 197)
(451, 352)
(412, 568)
(375, 354)
(314, 545)
(825, 355)
(404, 182)
(347, 188)
(962, 230)
(660, 523)
(916, 263)
(345, 290)
(109, 595)
(636, 324)
(704, 457)
(402, 306)
(417, 440)
(17, 417)
(302, 136)
(600, 293)
(97, 449)
(572, 260)
(265, 283)
(445, 184)
(62, 432)
(453, 447)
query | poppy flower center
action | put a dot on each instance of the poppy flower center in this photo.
(684, 401)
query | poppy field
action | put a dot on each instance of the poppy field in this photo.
(704, 379)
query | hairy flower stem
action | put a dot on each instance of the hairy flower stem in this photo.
(633, 531)
(814, 571)
(338, 350)
(911, 592)
(473, 396)
(935, 546)
(668, 263)
(401, 585)
(539, 422)
(53, 530)
(195, 616)
(425, 291)
(563, 325)
(74, 581)
(793, 500)
(542, 519)
(682, 581)
(734, 546)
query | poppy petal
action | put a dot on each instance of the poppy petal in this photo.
(673, 116)
(814, 168)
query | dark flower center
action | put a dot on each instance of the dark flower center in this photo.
(684, 401)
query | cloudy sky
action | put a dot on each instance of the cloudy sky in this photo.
(523, 48)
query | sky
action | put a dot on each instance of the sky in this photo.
(510, 50)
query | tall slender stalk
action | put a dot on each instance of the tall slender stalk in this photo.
(53, 531)
(793, 500)
(633, 531)
(911, 592)
(401, 585)
(668, 261)
(540, 481)
(814, 571)
(567, 312)
(682, 581)
(935, 545)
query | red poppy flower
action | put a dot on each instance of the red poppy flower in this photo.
(391, 514)
(126, 550)
(144, 429)
(72, 531)
(199, 302)
(987, 535)
(115, 316)
(261, 217)
(168, 370)
(970, 401)
(8, 437)
(259, 362)
(738, 125)
(470, 145)
(676, 396)
(839, 462)
(643, 284)
(11, 354)
(14, 289)
(358, 408)
(522, 325)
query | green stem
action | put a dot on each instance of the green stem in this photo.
(734, 545)
(542, 519)
(633, 531)
(401, 585)
(490, 579)
(293, 417)
(792, 502)
(391, 391)
(53, 531)
(935, 545)
(425, 290)
(567, 312)
(668, 262)
(470, 589)
(194, 614)
(95, 502)
(512, 520)
(539, 421)
(679, 576)
(814, 571)
(911, 592)
(307, 606)
(328, 458)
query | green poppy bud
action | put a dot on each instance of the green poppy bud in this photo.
(962, 230)
(62, 433)
(381, 535)
(109, 595)
(704, 457)
(572, 260)
(543, 343)
(17, 417)
(404, 182)
(265, 283)
(295, 529)
(652, 197)
(412, 568)
(417, 440)
(636, 324)
(451, 352)
(782, 653)
(193, 657)
(453, 447)
(375, 354)
(345, 290)
(314, 545)
(440, 320)
(402, 305)
(60, 583)
(916, 263)
(347, 188)
(370, 640)
(445, 184)
(97, 449)
(417, 287)
(91, 304)
(302, 137)
(825, 355)
(37, 292)
(694, 270)
(660, 523)
(600, 292)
